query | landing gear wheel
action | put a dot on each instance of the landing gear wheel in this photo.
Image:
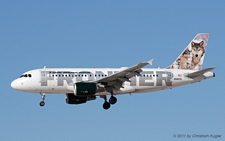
(42, 103)
(112, 100)
(106, 105)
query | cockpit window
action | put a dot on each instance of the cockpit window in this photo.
(25, 75)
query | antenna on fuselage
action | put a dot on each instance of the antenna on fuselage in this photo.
(44, 67)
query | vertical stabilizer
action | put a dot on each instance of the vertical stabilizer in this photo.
(193, 55)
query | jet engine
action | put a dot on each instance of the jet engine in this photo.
(72, 99)
(87, 88)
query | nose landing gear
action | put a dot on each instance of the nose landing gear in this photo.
(42, 103)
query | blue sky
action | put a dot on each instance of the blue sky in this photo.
(34, 34)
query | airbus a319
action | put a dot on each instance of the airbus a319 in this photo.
(85, 84)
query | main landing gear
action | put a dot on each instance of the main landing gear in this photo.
(42, 103)
(112, 100)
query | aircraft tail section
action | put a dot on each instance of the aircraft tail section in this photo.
(193, 55)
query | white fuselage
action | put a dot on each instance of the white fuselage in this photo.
(62, 80)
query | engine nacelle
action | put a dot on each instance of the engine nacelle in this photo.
(72, 99)
(85, 88)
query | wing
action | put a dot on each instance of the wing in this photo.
(115, 81)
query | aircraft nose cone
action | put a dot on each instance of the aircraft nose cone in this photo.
(14, 85)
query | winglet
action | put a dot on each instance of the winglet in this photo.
(150, 61)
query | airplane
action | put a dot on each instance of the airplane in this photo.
(85, 84)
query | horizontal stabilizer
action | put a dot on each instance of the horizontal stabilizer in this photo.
(198, 73)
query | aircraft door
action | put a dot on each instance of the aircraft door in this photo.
(169, 76)
(43, 75)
